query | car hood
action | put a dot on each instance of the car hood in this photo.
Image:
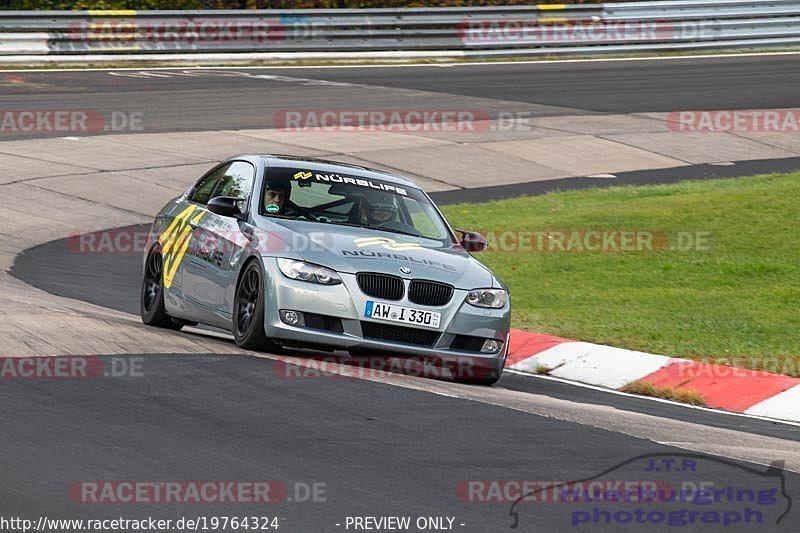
(353, 249)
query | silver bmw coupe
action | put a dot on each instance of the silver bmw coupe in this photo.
(303, 253)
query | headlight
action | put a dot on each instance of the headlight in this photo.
(492, 298)
(308, 272)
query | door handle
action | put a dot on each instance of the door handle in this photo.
(193, 224)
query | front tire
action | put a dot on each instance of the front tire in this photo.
(151, 301)
(248, 311)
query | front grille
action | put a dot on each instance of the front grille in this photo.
(387, 332)
(323, 322)
(429, 292)
(380, 285)
(467, 343)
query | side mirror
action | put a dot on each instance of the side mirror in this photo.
(226, 206)
(473, 241)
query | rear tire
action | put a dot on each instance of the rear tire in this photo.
(248, 311)
(151, 301)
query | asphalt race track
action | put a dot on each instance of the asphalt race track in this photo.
(113, 280)
(379, 450)
(239, 98)
(392, 446)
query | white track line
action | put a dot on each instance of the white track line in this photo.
(407, 65)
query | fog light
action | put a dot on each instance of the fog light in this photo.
(290, 317)
(491, 346)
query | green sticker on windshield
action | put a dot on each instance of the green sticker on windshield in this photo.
(273, 208)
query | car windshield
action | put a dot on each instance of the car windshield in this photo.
(333, 198)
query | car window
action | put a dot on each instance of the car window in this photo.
(202, 191)
(237, 180)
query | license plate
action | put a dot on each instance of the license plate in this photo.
(398, 313)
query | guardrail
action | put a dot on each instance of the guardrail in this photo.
(556, 29)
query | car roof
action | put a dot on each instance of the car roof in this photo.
(324, 165)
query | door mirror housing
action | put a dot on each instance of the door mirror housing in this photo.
(473, 241)
(226, 206)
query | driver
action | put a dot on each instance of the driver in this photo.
(276, 198)
(378, 211)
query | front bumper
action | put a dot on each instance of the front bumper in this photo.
(347, 303)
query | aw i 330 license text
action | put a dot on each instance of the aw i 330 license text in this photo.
(304, 253)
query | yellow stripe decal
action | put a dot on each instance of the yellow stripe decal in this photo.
(548, 7)
(554, 20)
(171, 265)
(166, 240)
(175, 241)
(112, 12)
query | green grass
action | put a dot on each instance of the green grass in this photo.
(738, 297)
